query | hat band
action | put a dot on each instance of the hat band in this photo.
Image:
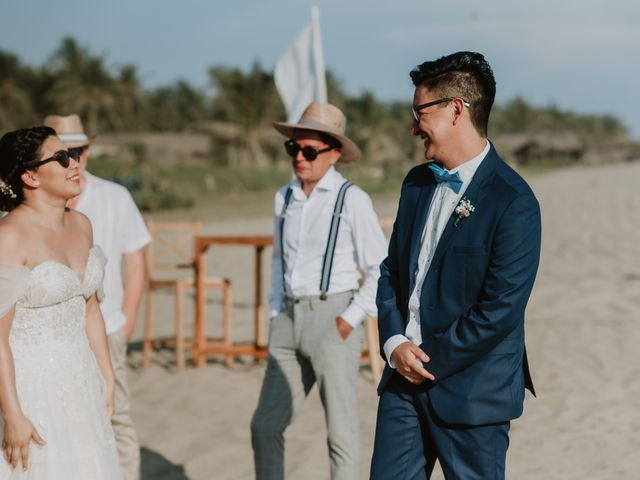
(73, 137)
(315, 125)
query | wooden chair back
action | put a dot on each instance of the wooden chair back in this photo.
(172, 248)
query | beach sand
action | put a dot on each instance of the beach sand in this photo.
(583, 341)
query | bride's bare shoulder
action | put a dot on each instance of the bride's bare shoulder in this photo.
(11, 241)
(81, 225)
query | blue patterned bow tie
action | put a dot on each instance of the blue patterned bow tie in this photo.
(442, 175)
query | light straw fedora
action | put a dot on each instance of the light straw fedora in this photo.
(69, 130)
(323, 117)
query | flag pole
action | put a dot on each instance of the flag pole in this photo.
(318, 57)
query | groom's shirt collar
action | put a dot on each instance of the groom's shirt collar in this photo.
(468, 169)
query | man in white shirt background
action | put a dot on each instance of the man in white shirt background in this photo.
(119, 229)
(327, 236)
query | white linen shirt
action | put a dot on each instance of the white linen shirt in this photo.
(442, 206)
(118, 228)
(360, 246)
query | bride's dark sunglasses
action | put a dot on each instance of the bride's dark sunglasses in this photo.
(63, 157)
(308, 152)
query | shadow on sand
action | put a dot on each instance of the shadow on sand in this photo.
(156, 467)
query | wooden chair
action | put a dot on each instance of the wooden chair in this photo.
(371, 351)
(172, 252)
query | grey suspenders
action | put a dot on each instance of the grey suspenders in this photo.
(327, 261)
(287, 201)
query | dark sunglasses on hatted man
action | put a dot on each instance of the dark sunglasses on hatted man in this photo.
(308, 152)
(63, 157)
(77, 151)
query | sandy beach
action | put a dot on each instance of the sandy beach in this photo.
(583, 340)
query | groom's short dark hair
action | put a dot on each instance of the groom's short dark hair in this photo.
(462, 74)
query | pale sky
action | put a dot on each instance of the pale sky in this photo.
(578, 55)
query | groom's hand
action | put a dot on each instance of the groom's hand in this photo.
(408, 359)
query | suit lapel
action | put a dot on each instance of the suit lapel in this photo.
(474, 193)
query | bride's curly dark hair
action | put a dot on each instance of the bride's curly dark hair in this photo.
(18, 150)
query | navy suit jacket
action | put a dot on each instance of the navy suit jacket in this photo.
(474, 295)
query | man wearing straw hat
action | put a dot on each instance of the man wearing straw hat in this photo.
(326, 236)
(119, 229)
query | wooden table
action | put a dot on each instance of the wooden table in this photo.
(258, 349)
(225, 346)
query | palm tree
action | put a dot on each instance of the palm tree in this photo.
(130, 104)
(335, 93)
(190, 104)
(250, 101)
(82, 84)
(176, 107)
(16, 108)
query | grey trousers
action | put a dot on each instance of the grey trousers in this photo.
(123, 427)
(304, 348)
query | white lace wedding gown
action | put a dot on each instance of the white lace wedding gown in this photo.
(59, 385)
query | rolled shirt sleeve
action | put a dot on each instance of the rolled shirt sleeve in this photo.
(370, 246)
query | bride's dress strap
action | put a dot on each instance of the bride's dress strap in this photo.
(13, 283)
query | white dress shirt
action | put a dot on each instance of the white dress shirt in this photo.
(443, 203)
(118, 228)
(360, 247)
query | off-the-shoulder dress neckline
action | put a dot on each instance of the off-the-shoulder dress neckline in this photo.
(79, 277)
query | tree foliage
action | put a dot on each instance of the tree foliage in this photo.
(82, 84)
(239, 113)
(518, 116)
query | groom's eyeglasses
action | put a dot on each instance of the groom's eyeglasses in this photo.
(308, 152)
(416, 108)
(63, 157)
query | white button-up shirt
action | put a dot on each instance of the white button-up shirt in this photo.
(118, 228)
(360, 247)
(442, 206)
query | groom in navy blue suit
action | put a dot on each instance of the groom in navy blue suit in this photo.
(453, 290)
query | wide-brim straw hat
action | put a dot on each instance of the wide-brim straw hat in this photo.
(323, 117)
(69, 129)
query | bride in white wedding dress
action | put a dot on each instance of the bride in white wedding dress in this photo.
(56, 381)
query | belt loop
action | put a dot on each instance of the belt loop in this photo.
(291, 300)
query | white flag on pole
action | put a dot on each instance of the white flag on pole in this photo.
(299, 74)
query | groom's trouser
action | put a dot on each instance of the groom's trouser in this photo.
(410, 437)
(305, 347)
(123, 427)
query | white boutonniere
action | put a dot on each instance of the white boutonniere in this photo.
(463, 210)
